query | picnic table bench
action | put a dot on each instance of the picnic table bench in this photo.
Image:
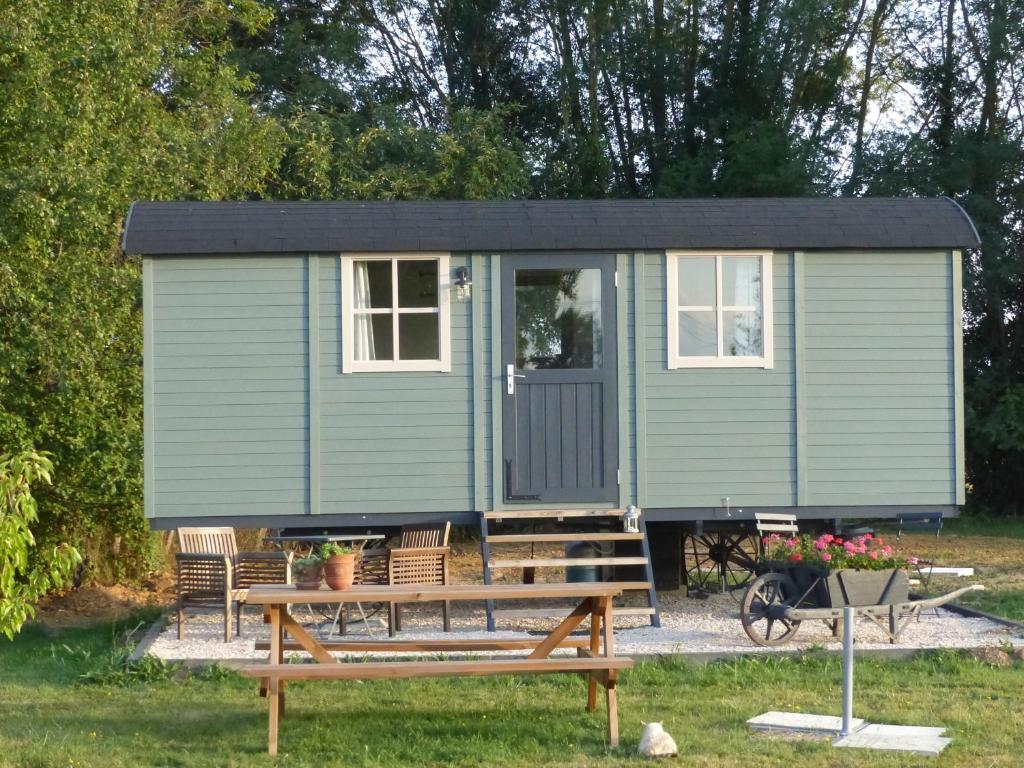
(595, 659)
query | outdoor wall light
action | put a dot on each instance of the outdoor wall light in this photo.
(463, 284)
(631, 520)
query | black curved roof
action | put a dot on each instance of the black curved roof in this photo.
(157, 228)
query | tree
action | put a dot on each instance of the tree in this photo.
(27, 571)
(104, 101)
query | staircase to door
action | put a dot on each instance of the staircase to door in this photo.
(563, 526)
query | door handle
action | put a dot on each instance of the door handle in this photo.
(510, 378)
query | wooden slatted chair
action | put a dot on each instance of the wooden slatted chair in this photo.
(774, 522)
(420, 558)
(213, 573)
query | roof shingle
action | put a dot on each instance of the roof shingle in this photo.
(168, 228)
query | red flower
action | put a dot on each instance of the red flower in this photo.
(796, 557)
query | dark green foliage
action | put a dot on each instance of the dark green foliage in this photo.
(105, 101)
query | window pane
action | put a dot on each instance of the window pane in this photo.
(417, 284)
(558, 318)
(698, 335)
(372, 337)
(371, 284)
(418, 337)
(742, 334)
(696, 281)
(741, 281)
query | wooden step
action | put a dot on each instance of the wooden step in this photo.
(555, 613)
(556, 514)
(529, 538)
(632, 586)
(640, 611)
(562, 562)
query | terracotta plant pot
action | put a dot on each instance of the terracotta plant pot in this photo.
(339, 571)
(309, 578)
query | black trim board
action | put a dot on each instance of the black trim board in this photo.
(717, 514)
(381, 519)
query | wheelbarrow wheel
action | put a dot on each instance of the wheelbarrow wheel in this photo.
(762, 608)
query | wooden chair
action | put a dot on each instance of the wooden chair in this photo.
(920, 522)
(420, 558)
(213, 573)
(775, 522)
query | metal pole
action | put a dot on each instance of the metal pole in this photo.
(849, 616)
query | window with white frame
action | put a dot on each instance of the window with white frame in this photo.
(719, 309)
(395, 312)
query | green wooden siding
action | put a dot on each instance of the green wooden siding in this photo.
(879, 378)
(859, 408)
(227, 397)
(714, 433)
(395, 442)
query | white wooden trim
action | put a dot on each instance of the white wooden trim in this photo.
(444, 363)
(672, 309)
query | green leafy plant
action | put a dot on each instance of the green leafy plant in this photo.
(331, 549)
(120, 669)
(310, 561)
(867, 552)
(27, 571)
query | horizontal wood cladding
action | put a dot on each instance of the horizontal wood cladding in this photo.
(395, 441)
(714, 433)
(229, 408)
(879, 405)
(229, 393)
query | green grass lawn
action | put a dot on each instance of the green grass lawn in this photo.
(49, 717)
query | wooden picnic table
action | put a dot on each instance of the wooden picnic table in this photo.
(595, 659)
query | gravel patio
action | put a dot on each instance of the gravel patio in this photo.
(698, 627)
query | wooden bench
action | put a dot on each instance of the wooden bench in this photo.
(600, 671)
(599, 664)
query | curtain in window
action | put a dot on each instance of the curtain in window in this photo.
(741, 289)
(747, 284)
(363, 322)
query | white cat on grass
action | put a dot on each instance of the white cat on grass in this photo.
(655, 742)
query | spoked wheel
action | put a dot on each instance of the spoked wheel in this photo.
(762, 608)
(720, 561)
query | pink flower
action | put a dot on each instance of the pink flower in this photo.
(873, 555)
(826, 556)
(774, 537)
(819, 544)
(887, 550)
(793, 542)
(913, 560)
(866, 536)
(850, 547)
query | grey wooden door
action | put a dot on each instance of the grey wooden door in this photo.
(559, 372)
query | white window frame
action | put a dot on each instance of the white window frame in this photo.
(720, 360)
(443, 311)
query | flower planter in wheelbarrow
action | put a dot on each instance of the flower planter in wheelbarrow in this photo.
(823, 588)
(783, 589)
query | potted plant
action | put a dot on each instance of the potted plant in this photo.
(339, 565)
(308, 572)
(835, 571)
